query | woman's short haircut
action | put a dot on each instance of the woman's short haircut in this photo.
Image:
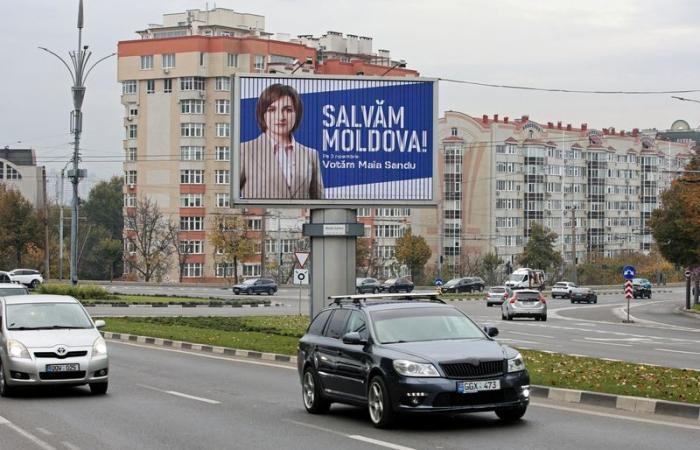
(271, 94)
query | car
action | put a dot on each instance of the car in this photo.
(9, 289)
(563, 289)
(50, 340)
(497, 295)
(641, 287)
(525, 303)
(581, 294)
(408, 353)
(397, 285)
(256, 286)
(5, 277)
(28, 277)
(367, 285)
(465, 284)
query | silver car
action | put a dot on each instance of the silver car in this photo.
(497, 295)
(50, 340)
(8, 289)
(525, 303)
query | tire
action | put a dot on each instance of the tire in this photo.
(311, 394)
(379, 404)
(34, 284)
(99, 388)
(5, 389)
(544, 318)
(649, 296)
(236, 291)
(503, 316)
(375, 291)
(488, 305)
(270, 291)
(509, 317)
(538, 318)
(572, 302)
(511, 414)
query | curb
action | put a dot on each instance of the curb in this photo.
(612, 401)
(685, 312)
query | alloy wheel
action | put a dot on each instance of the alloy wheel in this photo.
(376, 402)
(309, 390)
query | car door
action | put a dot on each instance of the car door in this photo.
(328, 350)
(353, 360)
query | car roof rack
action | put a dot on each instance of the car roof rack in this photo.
(362, 299)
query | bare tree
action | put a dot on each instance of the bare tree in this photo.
(470, 261)
(148, 233)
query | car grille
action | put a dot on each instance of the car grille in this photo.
(447, 399)
(57, 356)
(62, 375)
(468, 370)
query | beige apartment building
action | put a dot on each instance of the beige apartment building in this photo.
(18, 171)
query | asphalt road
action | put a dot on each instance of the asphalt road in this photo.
(167, 399)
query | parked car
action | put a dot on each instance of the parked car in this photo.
(28, 277)
(497, 295)
(397, 285)
(5, 277)
(641, 287)
(525, 303)
(8, 289)
(50, 340)
(563, 289)
(367, 285)
(465, 284)
(256, 286)
(394, 355)
(581, 294)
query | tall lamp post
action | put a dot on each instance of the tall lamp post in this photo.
(79, 73)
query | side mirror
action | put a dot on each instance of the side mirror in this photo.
(353, 338)
(491, 331)
(100, 324)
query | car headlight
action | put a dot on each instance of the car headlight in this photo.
(516, 364)
(414, 369)
(17, 350)
(99, 347)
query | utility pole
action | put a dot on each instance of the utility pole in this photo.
(47, 266)
(79, 75)
(573, 241)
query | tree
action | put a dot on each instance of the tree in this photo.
(230, 239)
(104, 206)
(489, 266)
(539, 252)
(112, 251)
(366, 257)
(412, 251)
(19, 226)
(179, 249)
(149, 238)
(470, 261)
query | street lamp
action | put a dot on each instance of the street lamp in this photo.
(401, 63)
(79, 75)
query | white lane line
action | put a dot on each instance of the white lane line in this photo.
(519, 341)
(44, 431)
(26, 434)
(192, 397)
(615, 416)
(601, 343)
(531, 334)
(70, 446)
(676, 351)
(378, 442)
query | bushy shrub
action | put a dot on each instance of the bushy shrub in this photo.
(81, 292)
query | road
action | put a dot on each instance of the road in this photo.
(167, 399)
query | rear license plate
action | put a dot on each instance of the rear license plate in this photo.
(466, 387)
(62, 367)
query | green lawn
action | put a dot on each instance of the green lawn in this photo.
(280, 334)
(696, 308)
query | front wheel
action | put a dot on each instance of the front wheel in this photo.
(34, 284)
(314, 402)
(270, 291)
(511, 414)
(380, 412)
(5, 390)
(375, 290)
(99, 388)
(236, 291)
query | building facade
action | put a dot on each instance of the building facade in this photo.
(18, 171)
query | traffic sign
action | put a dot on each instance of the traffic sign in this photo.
(301, 276)
(687, 273)
(628, 290)
(301, 257)
(438, 281)
(628, 272)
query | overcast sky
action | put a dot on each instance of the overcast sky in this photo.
(592, 45)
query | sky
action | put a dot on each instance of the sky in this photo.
(611, 45)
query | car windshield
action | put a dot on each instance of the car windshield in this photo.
(7, 291)
(452, 282)
(423, 324)
(517, 277)
(560, 285)
(497, 290)
(390, 281)
(251, 281)
(46, 316)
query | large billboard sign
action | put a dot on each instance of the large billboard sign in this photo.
(329, 141)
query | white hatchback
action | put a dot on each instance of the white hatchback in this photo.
(563, 289)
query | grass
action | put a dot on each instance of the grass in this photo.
(696, 308)
(280, 334)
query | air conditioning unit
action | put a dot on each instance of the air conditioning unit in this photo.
(131, 186)
(129, 118)
(166, 71)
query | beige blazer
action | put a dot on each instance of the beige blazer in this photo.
(262, 176)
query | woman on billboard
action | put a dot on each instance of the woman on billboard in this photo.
(275, 165)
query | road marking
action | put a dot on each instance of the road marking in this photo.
(351, 436)
(26, 434)
(676, 351)
(602, 343)
(616, 416)
(531, 334)
(44, 431)
(180, 394)
(70, 446)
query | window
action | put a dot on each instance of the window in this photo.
(168, 85)
(192, 130)
(192, 270)
(191, 176)
(385, 251)
(191, 153)
(259, 62)
(287, 245)
(192, 247)
(223, 106)
(251, 270)
(223, 200)
(223, 83)
(133, 111)
(316, 327)
(254, 224)
(191, 200)
(150, 86)
(191, 84)
(222, 177)
(130, 177)
(223, 153)
(129, 87)
(388, 231)
(131, 154)
(147, 62)
(453, 131)
(168, 60)
(232, 60)
(223, 130)
(192, 106)
(191, 223)
(224, 270)
(363, 212)
(130, 200)
(131, 131)
(506, 185)
(336, 327)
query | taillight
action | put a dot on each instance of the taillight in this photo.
(543, 300)
(513, 299)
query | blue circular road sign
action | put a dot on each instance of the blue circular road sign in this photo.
(438, 281)
(628, 272)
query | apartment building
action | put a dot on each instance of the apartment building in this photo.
(18, 171)
(176, 95)
(595, 188)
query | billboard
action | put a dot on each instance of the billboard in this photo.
(330, 141)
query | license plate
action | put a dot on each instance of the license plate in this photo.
(62, 367)
(466, 387)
